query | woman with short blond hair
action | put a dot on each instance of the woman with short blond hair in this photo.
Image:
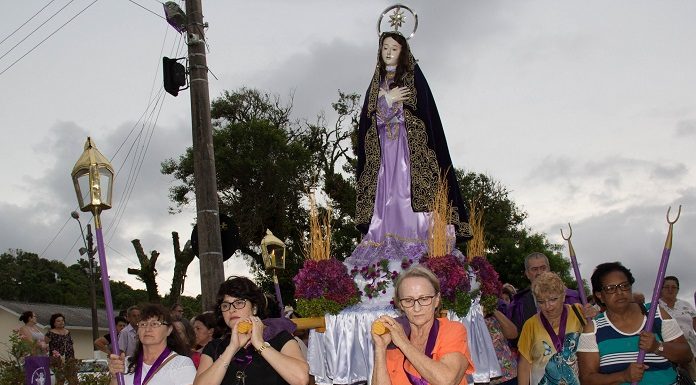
(549, 339)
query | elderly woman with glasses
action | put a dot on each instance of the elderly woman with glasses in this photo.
(160, 356)
(419, 348)
(610, 343)
(683, 313)
(243, 356)
(548, 342)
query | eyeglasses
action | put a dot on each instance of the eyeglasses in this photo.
(550, 301)
(611, 289)
(152, 324)
(423, 301)
(237, 304)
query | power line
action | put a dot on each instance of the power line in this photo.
(37, 28)
(54, 237)
(152, 12)
(25, 23)
(47, 37)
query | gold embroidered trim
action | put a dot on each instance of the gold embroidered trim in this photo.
(366, 187)
(424, 165)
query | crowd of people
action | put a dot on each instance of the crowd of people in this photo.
(541, 334)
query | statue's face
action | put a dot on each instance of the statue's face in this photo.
(390, 51)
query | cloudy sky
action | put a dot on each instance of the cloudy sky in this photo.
(585, 110)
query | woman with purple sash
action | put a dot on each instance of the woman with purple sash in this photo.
(160, 356)
(419, 348)
(265, 354)
(548, 343)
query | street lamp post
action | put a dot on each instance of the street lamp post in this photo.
(93, 180)
(89, 250)
(273, 253)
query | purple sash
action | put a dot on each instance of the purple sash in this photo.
(557, 339)
(155, 366)
(429, 346)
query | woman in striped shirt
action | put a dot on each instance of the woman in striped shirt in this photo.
(609, 346)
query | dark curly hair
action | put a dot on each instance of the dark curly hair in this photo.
(174, 341)
(241, 288)
(602, 270)
(53, 319)
(402, 65)
(26, 315)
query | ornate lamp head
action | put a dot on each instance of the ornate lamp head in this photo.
(272, 251)
(397, 19)
(93, 179)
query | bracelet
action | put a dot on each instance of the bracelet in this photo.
(263, 347)
(225, 363)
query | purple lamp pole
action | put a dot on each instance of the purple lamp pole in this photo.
(93, 178)
(576, 268)
(658, 282)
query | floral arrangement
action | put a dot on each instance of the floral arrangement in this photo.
(454, 282)
(489, 283)
(324, 286)
(378, 276)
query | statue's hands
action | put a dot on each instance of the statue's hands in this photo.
(397, 94)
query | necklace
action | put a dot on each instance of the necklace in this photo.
(243, 362)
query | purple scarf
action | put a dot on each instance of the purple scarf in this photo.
(137, 378)
(429, 346)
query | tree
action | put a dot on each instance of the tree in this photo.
(147, 271)
(507, 238)
(266, 163)
(26, 277)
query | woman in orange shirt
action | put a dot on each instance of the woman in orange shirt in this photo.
(419, 348)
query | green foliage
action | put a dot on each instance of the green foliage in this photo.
(11, 373)
(461, 304)
(12, 367)
(489, 303)
(266, 163)
(317, 307)
(507, 239)
(20, 272)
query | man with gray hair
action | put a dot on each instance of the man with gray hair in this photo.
(523, 305)
(129, 335)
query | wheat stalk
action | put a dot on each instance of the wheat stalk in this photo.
(476, 246)
(317, 246)
(441, 209)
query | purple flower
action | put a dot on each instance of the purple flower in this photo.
(325, 279)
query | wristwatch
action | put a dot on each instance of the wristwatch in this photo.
(263, 347)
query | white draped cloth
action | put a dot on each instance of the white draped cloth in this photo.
(343, 354)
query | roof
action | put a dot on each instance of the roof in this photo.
(75, 317)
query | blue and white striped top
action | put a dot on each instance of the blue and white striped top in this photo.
(618, 349)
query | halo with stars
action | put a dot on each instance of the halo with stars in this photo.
(397, 19)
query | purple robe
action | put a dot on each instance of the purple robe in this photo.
(393, 214)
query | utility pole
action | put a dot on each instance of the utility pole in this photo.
(209, 243)
(92, 284)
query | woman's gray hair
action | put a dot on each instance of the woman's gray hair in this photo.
(417, 271)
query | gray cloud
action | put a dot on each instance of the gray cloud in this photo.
(635, 236)
(685, 128)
